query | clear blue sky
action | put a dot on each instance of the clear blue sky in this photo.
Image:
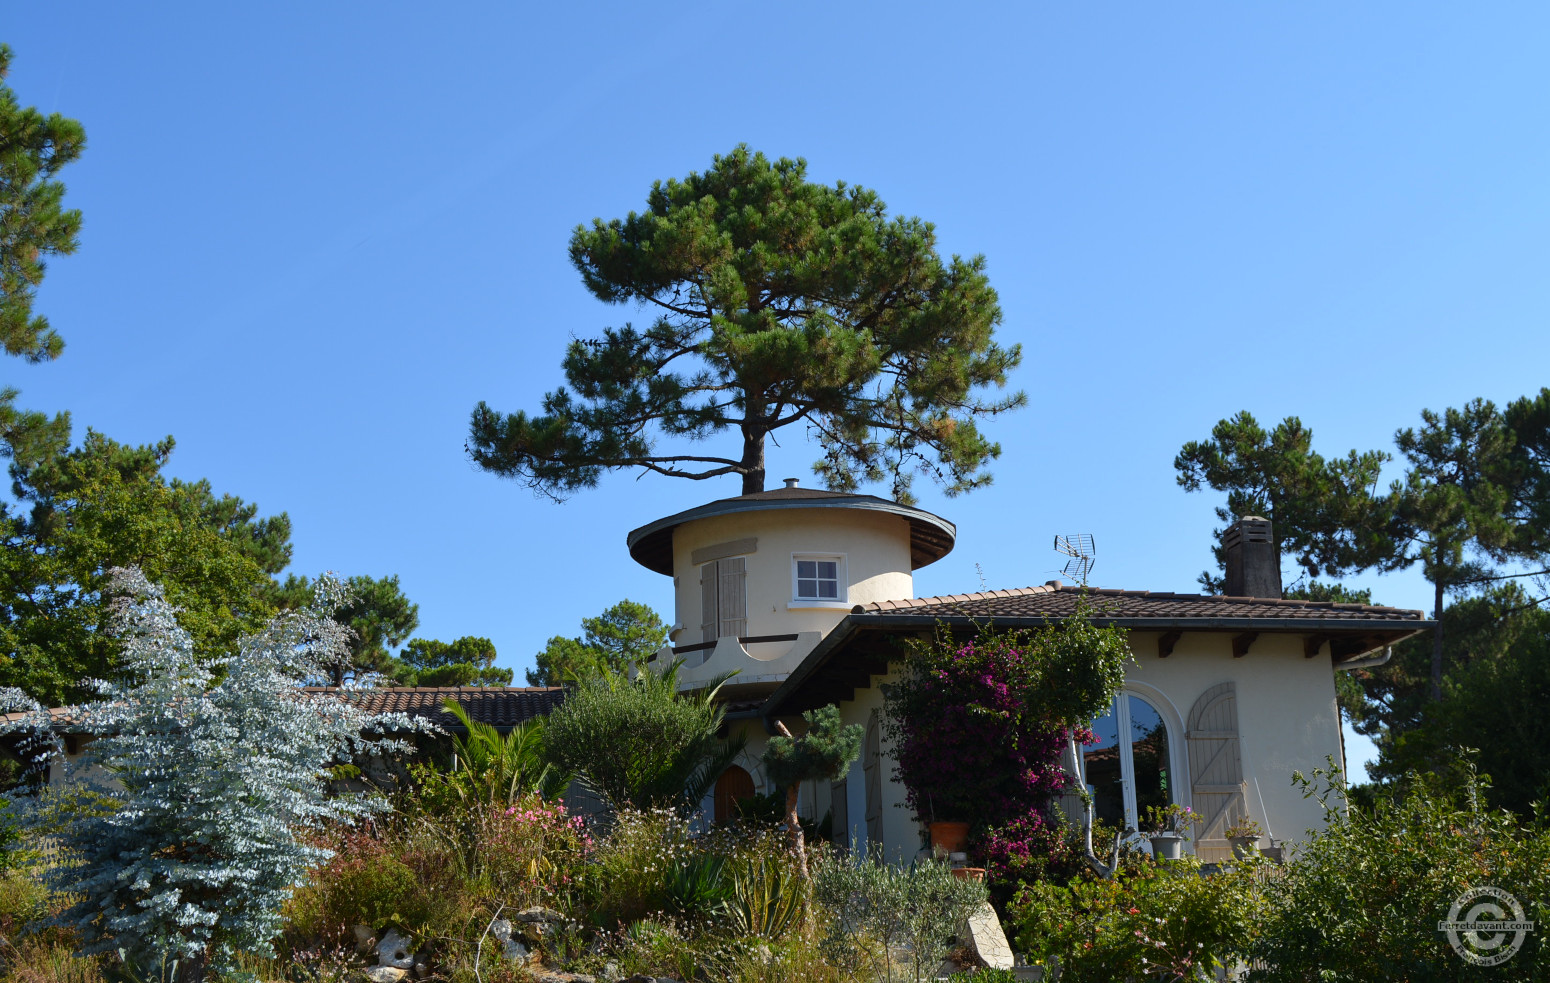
(316, 234)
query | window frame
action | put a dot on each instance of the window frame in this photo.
(841, 582)
(1179, 791)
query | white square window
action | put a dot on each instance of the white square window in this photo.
(818, 578)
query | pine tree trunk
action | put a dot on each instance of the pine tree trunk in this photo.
(1437, 642)
(794, 826)
(753, 460)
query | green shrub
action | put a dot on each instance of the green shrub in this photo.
(24, 900)
(639, 742)
(920, 906)
(46, 960)
(1150, 918)
(628, 881)
(530, 852)
(1390, 874)
(410, 882)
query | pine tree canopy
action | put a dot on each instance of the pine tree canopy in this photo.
(776, 301)
(33, 225)
(1323, 511)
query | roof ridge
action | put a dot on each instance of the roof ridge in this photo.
(917, 602)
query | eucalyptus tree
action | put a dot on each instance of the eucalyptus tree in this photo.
(220, 778)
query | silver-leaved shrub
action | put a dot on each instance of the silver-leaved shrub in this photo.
(204, 778)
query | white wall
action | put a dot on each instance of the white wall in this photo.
(1287, 716)
(876, 547)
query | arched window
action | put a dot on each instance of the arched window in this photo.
(1130, 768)
(733, 786)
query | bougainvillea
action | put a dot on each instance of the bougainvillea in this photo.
(979, 725)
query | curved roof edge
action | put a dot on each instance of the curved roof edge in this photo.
(931, 536)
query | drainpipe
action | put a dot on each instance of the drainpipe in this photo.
(1371, 661)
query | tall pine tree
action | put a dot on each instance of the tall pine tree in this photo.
(778, 301)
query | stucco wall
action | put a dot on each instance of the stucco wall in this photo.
(876, 547)
(1287, 721)
(1287, 716)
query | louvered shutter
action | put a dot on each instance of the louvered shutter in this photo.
(732, 599)
(709, 620)
(873, 767)
(839, 814)
(1215, 768)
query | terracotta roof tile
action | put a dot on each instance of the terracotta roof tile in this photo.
(1058, 602)
(499, 706)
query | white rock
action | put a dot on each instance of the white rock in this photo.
(385, 974)
(985, 938)
(517, 952)
(501, 929)
(394, 951)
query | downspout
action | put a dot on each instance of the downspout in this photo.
(1370, 662)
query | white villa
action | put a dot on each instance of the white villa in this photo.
(804, 593)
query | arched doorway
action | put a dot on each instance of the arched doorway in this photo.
(734, 785)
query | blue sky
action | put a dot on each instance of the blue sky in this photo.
(316, 234)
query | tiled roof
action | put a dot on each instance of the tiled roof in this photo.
(499, 706)
(1051, 601)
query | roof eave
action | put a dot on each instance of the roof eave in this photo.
(854, 624)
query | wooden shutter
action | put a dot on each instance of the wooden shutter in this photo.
(710, 618)
(839, 814)
(873, 767)
(732, 597)
(1215, 767)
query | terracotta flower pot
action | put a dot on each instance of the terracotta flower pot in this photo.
(949, 837)
(969, 873)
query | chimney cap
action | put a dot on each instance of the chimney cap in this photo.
(793, 482)
(1054, 583)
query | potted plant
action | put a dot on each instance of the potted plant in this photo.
(1243, 834)
(949, 837)
(1167, 828)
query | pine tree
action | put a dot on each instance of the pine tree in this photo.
(468, 661)
(624, 635)
(778, 301)
(823, 753)
(1323, 511)
(33, 226)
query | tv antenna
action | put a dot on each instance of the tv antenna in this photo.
(1083, 552)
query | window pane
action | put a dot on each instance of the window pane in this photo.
(1101, 763)
(828, 570)
(807, 568)
(1149, 753)
(807, 588)
(828, 589)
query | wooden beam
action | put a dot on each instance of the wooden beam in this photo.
(1166, 641)
(1312, 645)
(1241, 643)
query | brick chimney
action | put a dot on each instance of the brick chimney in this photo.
(1253, 564)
